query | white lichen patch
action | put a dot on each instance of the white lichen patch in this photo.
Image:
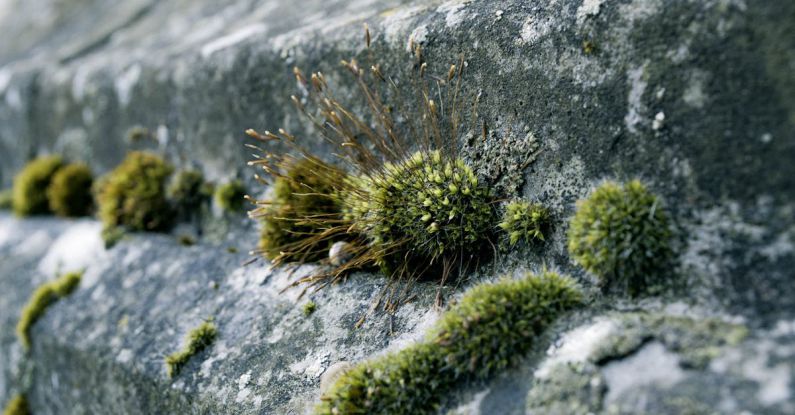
(635, 106)
(652, 365)
(587, 9)
(534, 29)
(232, 39)
(75, 249)
(311, 366)
(694, 95)
(454, 11)
(577, 345)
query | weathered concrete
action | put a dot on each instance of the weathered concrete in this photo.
(696, 98)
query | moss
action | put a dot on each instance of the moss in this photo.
(69, 193)
(133, 195)
(186, 240)
(6, 199)
(492, 326)
(524, 221)
(18, 405)
(30, 186)
(112, 236)
(197, 340)
(187, 191)
(309, 308)
(303, 203)
(621, 234)
(44, 296)
(230, 196)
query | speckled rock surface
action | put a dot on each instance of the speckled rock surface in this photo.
(695, 98)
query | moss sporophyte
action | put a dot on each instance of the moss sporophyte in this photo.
(493, 326)
(405, 200)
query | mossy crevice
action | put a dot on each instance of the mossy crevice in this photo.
(492, 326)
(196, 340)
(42, 298)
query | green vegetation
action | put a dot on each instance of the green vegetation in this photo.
(6, 199)
(621, 234)
(310, 308)
(230, 196)
(30, 186)
(133, 195)
(44, 296)
(197, 340)
(302, 208)
(187, 191)
(524, 221)
(18, 405)
(488, 330)
(69, 192)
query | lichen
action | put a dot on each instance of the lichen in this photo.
(570, 388)
(621, 234)
(230, 196)
(196, 340)
(488, 330)
(69, 192)
(44, 296)
(18, 405)
(30, 186)
(133, 195)
(524, 221)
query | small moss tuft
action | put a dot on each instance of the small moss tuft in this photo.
(197, 340)
(18, 405)
(6, 199)
(231, 196)
(621, 234)
(525, 221)
(310, 308)
(44, 296)
(133, 195)
(30, 186)
(488, 330)
(187, 191)
(69, 193)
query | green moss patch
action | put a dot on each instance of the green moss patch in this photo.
(524, 221)
(18, 405)
(44, 296)
(197, 340)
(492, 327)
(6, 199)
(187, 191)
(230, 196)
(309, 308)
(69, 192)
(31, 183)
(621, 234)
(133, 195)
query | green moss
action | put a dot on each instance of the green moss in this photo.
(492, 326)
(133, 195)
(309, 308)
(230, 196)
(425, 209)
(524, 221)
(30, 186)
(6, 199)
(18, 405)
(302, 206)
(621, 234)
(112, 236)
(69, 192)
(187, 191)
(186, 240)
(44, 296)
(197, 340)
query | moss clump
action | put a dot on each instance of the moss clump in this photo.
(525, 221)
(6, 199)
(490, 328)
(30, 186)
(44, 296)
(621, 234)
(18, 405)
(426, 208)
(69, 192)
(309, 308)
(197, 340)
(133, 195)
(230, 196)
(187, 191)
(303, 206)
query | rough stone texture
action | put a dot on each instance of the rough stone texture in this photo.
(695, 98)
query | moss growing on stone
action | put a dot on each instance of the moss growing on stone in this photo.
(69, 192)
(621, 234)
(524, 221)
(30, 186)
(488, 330)
(6, 199)
(197, 340)
(230, 196)
(309, 308)
(187, 191)
(133, 195)
(18, 405)
(44, 296)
